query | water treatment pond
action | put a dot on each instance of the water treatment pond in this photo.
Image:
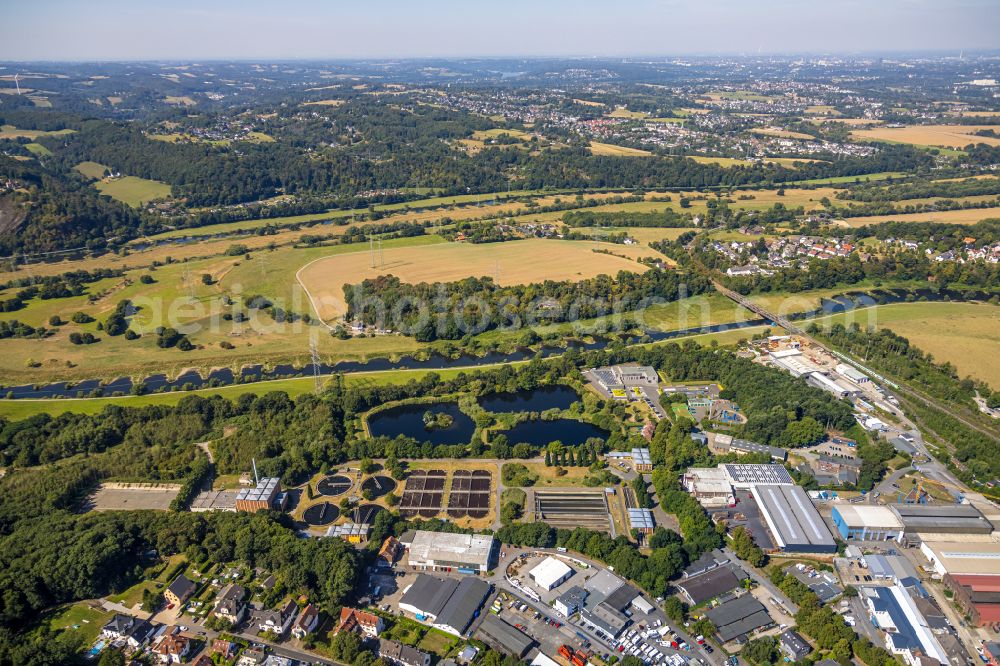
(408, 420)
(531, 400)
(567, 431)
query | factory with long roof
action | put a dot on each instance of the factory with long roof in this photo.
(790, 518)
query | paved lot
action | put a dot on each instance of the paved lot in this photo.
(110, 498)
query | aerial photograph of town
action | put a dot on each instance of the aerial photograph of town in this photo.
(554, 333)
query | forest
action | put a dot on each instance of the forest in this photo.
(450, 311)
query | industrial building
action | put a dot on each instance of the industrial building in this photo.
(641, 520)
(551, 573)
(735, 619)
(214, 500)
(504, 638)
(907, 633)
(747, 476)
(915, 522)
(441, 551)
(852, 373)
(448, 604)
(867, 522)
(571, 601)
(821, 381)
(944, 519)
(706, 586)
(790, 516)
(260, 497)
(608, 604)
(709, 485)
(792, 519)
(721, 444)
(971, 570)
(638, 458)
(895, 568)
(349, 532)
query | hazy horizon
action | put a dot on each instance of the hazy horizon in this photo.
(184, 30)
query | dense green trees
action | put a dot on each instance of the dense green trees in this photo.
(449, 311)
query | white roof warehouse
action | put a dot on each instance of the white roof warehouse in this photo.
(792, 519)
(468, 553)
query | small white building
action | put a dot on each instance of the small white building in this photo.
(551, 573)
(852, 373)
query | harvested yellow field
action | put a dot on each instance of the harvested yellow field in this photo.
(500, 131)
(721, 161)
(616, 151)
(597, 148)
(822, 110)
(324, 102)
(789, 161)
(970, 216)
(967, 335)
(948, 136)
(622, 112)
(587, 102)
(516, 262)
(179, 100)
(11, 132)
(974, 114)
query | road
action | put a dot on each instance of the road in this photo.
(763, 582)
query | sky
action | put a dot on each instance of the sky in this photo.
(315, 29)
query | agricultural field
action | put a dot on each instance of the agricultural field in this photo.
(967, 335)
(92, 170)
(948, 136)
(180, 299)
(622, 112)
(179, 100)
(597, 148)
(694, 312)
(133, 190)
(38, 150)
(11, 132)
(721, 161)
(969, 216)
(516, 262)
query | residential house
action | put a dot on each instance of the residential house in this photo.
(403, 655)
(306, 622)
(132, 630)
(276, 620)
(172, 648)
(389, 552)
(252, 657)
(117, 627)
(229, 604)
(277, 660)
(179, 591)
(358, 621)
(794, 646)
(203, 660)
(226, 649)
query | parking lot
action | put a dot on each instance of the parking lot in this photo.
(540, 624)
